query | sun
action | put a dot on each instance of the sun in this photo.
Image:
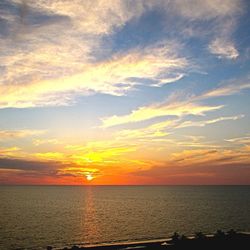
(89, 177)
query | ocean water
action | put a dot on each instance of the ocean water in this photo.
(33, 217)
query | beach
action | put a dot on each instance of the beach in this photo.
(219, 240)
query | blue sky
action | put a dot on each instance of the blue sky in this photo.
(114, 89)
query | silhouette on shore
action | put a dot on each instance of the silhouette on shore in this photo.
(220, 240)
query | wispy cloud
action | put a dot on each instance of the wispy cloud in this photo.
(95, 16)
(151, 132)
(38, 142)
(111, 77)
(38, 69)
(191, 142)
(55, 53)
(158, 110)
(223, 49)
(174, 107)
(164, 81)
(207, 122)
(9, 151)
(217, 156)
(37, 48)
(15, 134)
(224, 21)
(47, 156)
(207, 9)
(239, 140)
(226, 90)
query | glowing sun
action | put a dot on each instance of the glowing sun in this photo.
(89, 177)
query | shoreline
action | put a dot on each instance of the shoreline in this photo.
(229, 240)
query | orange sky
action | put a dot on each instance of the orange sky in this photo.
(108, 93)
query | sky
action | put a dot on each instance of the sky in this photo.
(122, 92)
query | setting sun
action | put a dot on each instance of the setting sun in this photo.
(119, 97)
(124, 124)
(89, 177)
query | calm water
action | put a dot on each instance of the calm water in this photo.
(36, 216)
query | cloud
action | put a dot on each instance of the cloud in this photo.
(229, 173)
(16, 171)
(195, 156)
(202, 166)
(16, 134)
(42, 35)
(165, 128)
(177, 110)
(225, 90)
(239, 140)
(110, 77)
(100, 152)
(174, 107)
(82, 172)
(52, 52)
(191, 142)
(55, 156)
(94, 16)
(110, 157)
(148, 133)
(37, 47)
(218, 156)
(220, 23)
(207, 122)
(206, 9)
(223, 49)
(38, 168)
(164, 81)
(23, 164)
(97, 17)
(9, 151)
(38, 142)
(157, 110)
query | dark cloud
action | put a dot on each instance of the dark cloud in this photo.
(38, 169)
(15, 17)
(19, 164)
(36, 18)
(12, 169)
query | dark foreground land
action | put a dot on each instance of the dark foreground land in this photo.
(220, 240)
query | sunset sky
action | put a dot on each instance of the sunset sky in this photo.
(124, 92)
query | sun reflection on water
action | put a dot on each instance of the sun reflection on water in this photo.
(90, 227)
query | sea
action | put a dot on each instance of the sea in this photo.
(34, 217)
